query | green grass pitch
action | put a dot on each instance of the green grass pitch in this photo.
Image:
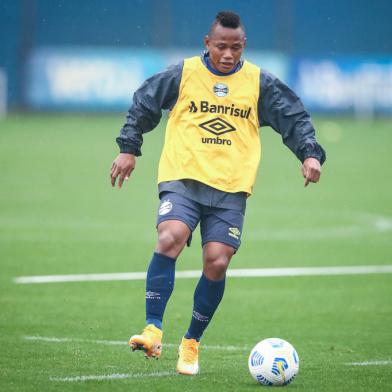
(59, 215)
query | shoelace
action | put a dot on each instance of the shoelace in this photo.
(189, 353)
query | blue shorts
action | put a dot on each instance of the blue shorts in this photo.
(216, 224)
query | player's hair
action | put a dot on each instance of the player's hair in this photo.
(227, 19)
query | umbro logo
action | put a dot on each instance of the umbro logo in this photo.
(217, 126)
(200, 317)
(234, 232)
(152, 295)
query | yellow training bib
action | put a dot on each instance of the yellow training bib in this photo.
(212, 134)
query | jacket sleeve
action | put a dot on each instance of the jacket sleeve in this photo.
(280, 108)
(156, 93)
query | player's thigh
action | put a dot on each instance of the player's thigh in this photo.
(177, 217)
(223, 226)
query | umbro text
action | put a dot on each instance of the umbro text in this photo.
(215, 140)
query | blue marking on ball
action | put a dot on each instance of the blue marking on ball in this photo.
(295, 356)
(262, 380)
(275, 369)
(257, 359)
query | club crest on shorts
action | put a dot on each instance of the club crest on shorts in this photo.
(165, 207)
(220, 90)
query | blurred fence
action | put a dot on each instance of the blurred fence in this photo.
(336, 55)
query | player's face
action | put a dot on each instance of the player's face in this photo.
(225, 46)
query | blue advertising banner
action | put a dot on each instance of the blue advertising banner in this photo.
(352, 85)
(83, 79)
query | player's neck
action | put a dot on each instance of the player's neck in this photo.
(207, 63)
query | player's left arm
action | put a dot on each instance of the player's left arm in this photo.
(280, 108)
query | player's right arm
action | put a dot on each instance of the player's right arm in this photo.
(160, 92)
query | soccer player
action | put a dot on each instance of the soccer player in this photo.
(208, 166)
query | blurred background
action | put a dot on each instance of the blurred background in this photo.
(90, 55)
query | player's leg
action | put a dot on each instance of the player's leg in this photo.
(208, 294)
(221, 231)
(177, 218)
(172, 237)
(210, 288)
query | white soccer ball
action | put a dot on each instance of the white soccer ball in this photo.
(273, 361)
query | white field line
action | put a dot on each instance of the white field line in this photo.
(207, 347)
(234, 273)
(115, 376)
(123, 343)
(120, 376)
(371, 363)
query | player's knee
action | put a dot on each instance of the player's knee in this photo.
(215, 265)
(169, 243)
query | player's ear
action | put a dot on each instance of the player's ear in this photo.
(244, 42)
(207, 41)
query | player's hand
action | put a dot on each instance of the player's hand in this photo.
(122, 167)
(311, 170)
